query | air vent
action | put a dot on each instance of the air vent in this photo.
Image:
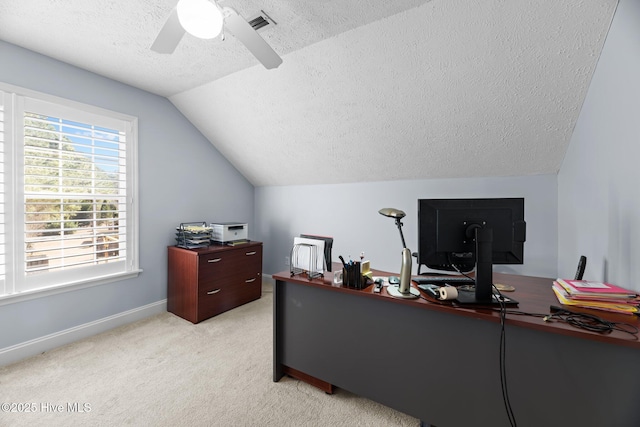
(261, 22)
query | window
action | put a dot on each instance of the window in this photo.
(68, 197)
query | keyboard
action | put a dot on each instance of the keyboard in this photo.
(442, 280)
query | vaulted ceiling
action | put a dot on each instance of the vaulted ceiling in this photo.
(368, 90)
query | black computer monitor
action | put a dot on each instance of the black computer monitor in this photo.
(467, 234)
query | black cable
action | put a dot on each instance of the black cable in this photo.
(502, 350)
(585, 321)
(581, 320)
(521, 313)
(457, 268)
(503, 360)
(591, 322)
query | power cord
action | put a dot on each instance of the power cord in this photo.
(503, 357)
(585, 321)
(458, 270)
(590, 322)
(503, 360)
(503, 349)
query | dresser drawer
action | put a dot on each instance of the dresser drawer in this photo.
(222, 264)
(227, 283)
(220, 296)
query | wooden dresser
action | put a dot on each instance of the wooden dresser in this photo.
(207, 281)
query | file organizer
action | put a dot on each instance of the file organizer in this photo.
(192, 235)
(304, 260)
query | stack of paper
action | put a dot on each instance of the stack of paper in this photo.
(308, 256)
(596, 295)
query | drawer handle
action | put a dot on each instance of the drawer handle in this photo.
(250, 253)
(214, 260)
(215, 291)
(250, 280)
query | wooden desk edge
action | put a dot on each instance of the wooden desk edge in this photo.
(533, 293)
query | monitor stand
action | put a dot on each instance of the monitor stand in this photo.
(483, 292)
(394, 291)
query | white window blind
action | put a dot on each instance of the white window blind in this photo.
(73, 195)
(3, 258)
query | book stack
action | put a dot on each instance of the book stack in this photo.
(596, 295)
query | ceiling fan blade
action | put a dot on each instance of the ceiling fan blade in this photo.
(170, 35)
(243, 31)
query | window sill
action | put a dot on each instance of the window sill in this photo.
(45, 292)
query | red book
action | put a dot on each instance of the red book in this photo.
(587, 287)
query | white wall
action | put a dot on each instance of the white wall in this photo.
(182, 178)
(349, 213)
(599, 182)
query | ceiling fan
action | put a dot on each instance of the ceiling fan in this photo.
(206, 19)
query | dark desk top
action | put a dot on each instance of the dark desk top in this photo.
(533, 293)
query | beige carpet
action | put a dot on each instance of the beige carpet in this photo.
(165, 371)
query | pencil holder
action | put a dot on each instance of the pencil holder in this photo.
(352, 276)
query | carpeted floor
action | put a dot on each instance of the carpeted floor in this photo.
(165, 371)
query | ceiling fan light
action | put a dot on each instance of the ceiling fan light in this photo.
(200, 18)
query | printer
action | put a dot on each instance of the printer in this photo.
(225, 232)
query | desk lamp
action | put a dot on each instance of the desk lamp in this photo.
(404, 290)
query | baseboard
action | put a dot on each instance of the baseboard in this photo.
(36, 346)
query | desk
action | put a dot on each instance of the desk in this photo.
(393, 351)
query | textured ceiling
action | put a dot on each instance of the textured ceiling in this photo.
(368, 90)
(112, 38)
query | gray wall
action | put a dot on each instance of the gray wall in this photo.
(349, 213)
(599, 182)
(182, 177)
